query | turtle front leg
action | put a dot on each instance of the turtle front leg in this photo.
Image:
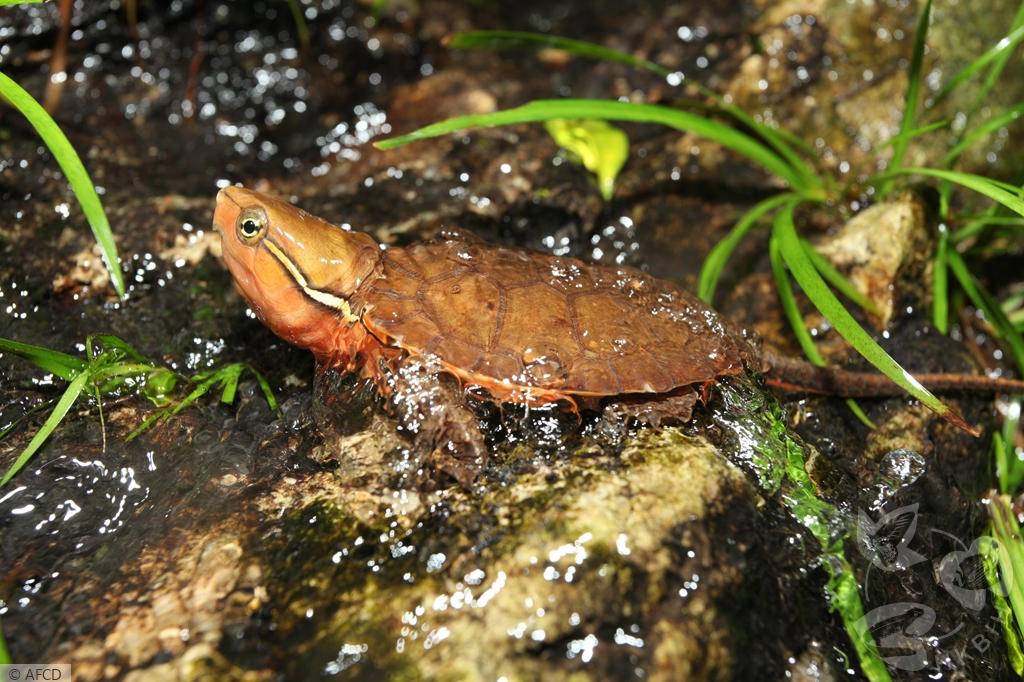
(433, 410)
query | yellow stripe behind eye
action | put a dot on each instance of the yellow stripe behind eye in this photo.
(328, 299)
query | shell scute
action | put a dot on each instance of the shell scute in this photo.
(464, 304)
(534, 313)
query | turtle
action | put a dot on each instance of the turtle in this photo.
(511, 324)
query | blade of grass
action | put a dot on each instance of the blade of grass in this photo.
(229, 380)
(989, 550)
(268, 393)
(796, 320)
(906, 136)
(789, 306)
(984, 302)
(719, 255)
(71, 394)
(992, 219)
(1004, 47)
(974, 225)
(59, 364)
(5, 3)
(989, 126)
(852, 177)
(1009, 551)
(31, 411)
(300, 24)
(1009, 466)
(784, 231)
(777, 138)
(73, 169)
(227, 377)
(1013, 307)
(940, 283)
(1001, 192)
(998, 64)
(5, 656)
(913, 88)
(522, 40)
(815, 515)
(543, 110)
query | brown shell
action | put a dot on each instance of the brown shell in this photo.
(516, 318)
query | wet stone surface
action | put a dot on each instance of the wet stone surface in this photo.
(238, 543)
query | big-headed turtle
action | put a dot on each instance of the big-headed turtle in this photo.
(526, 327)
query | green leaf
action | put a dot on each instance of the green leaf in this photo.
(784, 231)
(984, 302)
(301, 30)
(545, 110)
(60, 364)
(818, 517)
(940, 284)
(907, 135)
(999, 63)
(601, 147)
(1007, 617)
(5, 3)
(780, 140)
(160, 383)
(73, 169)
(5, 656)
(1009, 465)
(716, 259)
(789, 305)
(71, 394)
(991, 125)
(975, 224)
(910, 100)
(229, 380)
(521, 40)
(1003, 47)
(1008, 550)
(1002, 192)
(796, 320)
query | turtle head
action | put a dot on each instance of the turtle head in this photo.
(296, 271)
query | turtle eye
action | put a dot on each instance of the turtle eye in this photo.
(252, 223)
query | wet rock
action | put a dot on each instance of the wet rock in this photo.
(876, 244)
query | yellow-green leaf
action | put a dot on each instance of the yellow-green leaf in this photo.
(601, 147)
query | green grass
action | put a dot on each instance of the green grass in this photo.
(77, 176)
(113, 368)
(301, 29)
(521, 40)
(610, 110)
(1004, 569)
(844, 592)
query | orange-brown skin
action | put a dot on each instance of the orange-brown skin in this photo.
(527, 327)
